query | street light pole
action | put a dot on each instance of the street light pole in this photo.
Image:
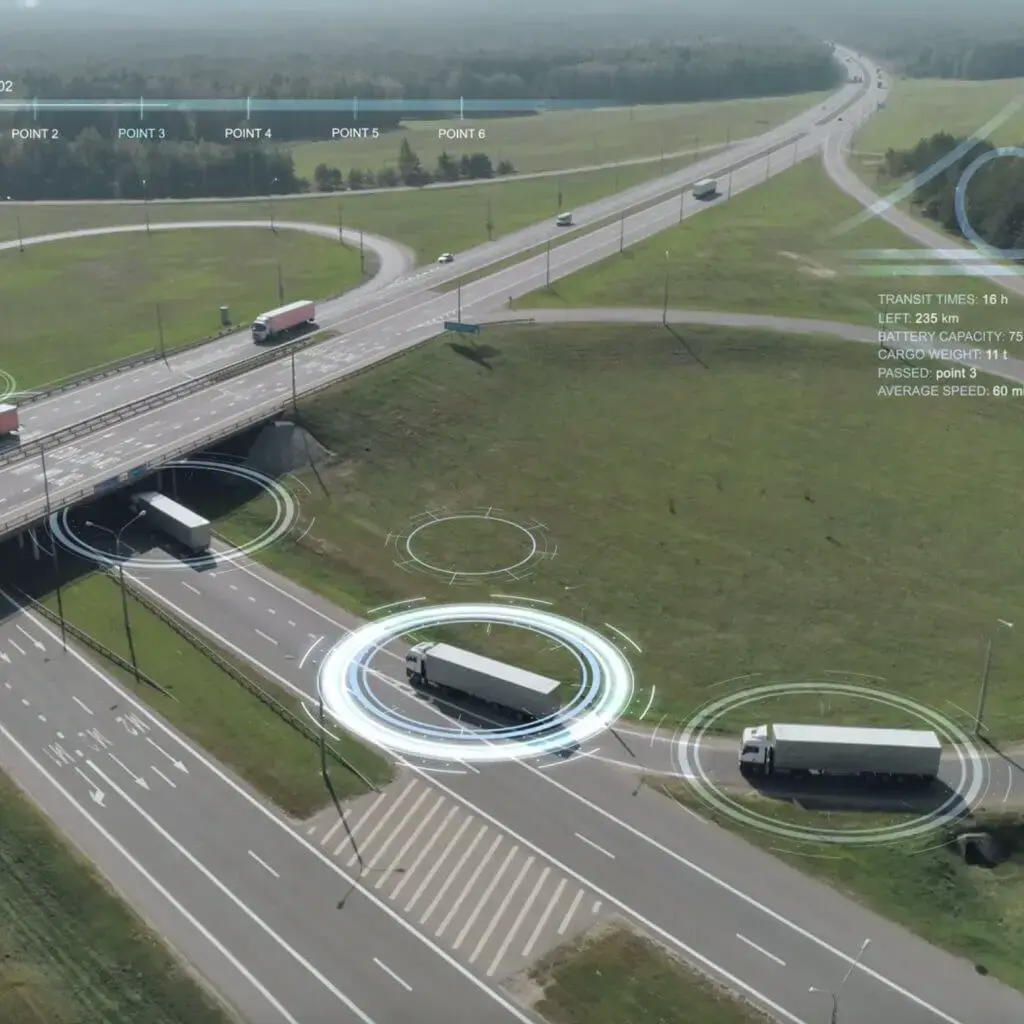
(622, 233)
(295, 393)
(458, 302)
(145, 204)
(56, 563)
(547, 267)
(835, 995)
(273, 182)
(664, 307)
(983, 694)
(682, 196)
(280, 284)
(160, 328)
(341, 233)
(21, 241)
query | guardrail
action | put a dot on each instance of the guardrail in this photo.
(117, 366)
(84, 638)
(240, 677)
(157, 399)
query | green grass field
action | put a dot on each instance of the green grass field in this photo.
(428, 221)
(558, 140)
(619, 977)
(108, 289)
(214, 709)
(760, 509)
(917, 108)
(767, 250)
(70, 951)
(922, 884)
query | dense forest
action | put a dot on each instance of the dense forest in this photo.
(192, 159)
(994, 198)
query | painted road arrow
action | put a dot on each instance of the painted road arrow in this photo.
(95, 793)
(177, 764)
(138, 780)
(4, 656)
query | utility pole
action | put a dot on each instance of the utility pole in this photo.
(145, 204)
(280, 284)
(664, 307)
(160, 329)
(295, 393)
(21, 241)
(341, 233)
(458, 299)
(835, 995)
(547, 266)
(490, 222)
(362, 256)
(983, 694)
(622, 233)
(56, 563)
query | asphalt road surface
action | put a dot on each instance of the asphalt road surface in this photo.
(576, 837)
(403, 314)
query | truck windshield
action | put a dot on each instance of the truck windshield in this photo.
(750, 748)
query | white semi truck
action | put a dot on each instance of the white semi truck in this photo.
(184, 525)
(276, 321)
(802, 750)
(447, 669)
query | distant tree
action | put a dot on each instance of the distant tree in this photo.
(356, 179)
(409, 167)
(327, 179)
(447, 168)
(388, 177)
(505, 167)
(480, 166)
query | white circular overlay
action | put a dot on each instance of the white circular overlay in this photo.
(285, 514)
(604, 692)
(966, 792)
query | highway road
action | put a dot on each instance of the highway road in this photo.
(402, 314)
(577, 834)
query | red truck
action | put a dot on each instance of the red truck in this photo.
(268, 325)
(8, 421)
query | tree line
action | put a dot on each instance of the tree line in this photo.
(410, 171)
(994, 199)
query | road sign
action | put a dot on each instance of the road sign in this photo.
(452, 325)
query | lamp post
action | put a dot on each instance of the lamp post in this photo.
(664, 305)
(56, 564)
(273, 182)
(982, 696)
(547, 266)
(835, 995)
(145, 204)
(116, 534)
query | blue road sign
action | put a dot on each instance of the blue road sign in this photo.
(452, 325)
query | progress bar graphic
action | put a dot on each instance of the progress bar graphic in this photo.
(250, 105)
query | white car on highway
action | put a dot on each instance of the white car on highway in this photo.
(446, 257)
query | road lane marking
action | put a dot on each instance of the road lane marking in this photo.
(263, 864)
(236, 900)
(437, 863)
(259, 632)
(502, 907)
(451, 878)
(397, 830)
(517, 923)
(548, 910)
(195, 590)
(166, 893)
(590, 842)
(345, 816)
(385, 875)
(80, 704)
(572, 910)
(383, 821)
(491, 886)
(387, 970)
(162, 776)
(760, 949)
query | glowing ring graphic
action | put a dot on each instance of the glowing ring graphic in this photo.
(533, 531)
(8, 385)
(605, 692)
(972, 766)
(960, 203)
(285, 507)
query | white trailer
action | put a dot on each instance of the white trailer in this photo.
(801, 750)
(178, 522)
(706, 189)
(449, 669)
(284, 318)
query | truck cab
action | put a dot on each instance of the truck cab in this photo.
(706, 189)
(755, 749)
(563, 220)
(415, 665)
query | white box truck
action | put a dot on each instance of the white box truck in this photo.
(276, 321)
(178, 522)
(9, 426)
(706, 189)
(802, 750)
(447, 669)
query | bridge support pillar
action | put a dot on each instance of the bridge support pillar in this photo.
(174, 483)
(21, 541)
(35, 543)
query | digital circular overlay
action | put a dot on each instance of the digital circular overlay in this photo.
(8, 385)
(966, 792)
(285, 515)
(410, 543)
(960, 203)
(605, 690)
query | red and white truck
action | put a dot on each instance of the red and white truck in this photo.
(9, 426)
(276, 321)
